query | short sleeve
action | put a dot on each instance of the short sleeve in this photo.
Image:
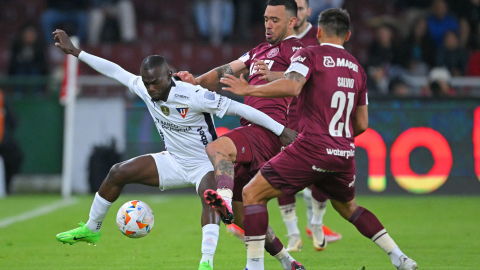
(301, 63)
(362, 93)
(289, 49)
(210, 102)
(134, 85)
(247, 59)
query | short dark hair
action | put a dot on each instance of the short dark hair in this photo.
(290, 5)
(154, 61)
(334, 21)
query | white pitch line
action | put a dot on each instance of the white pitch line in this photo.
(40, 211)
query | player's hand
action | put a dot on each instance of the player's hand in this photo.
(186, 77)
(262, 68)
(288, 136)
(65, 43)
(235, 85)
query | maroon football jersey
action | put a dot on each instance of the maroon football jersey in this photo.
(308, 38)
(278, 58)
(336, 85)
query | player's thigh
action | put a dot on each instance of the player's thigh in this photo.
(139, 170)
(259, 191)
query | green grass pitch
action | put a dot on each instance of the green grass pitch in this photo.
(438, 232)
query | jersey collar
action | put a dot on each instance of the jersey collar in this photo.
(333, 45)
(171, 95)
(301, 35)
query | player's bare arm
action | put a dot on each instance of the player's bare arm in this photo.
(267, 74)
(360, 120)
(290, 86)
(211, 79)
(65, 43)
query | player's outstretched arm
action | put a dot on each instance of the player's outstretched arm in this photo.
(290, 86)
(101, 65)
(257, 117)
(211, 79)
(268, 75)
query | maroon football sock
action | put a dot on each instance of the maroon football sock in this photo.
(255, 222)
(275, 247)
(366, 222)
(285, 200)
(224, 181)
(318, 195)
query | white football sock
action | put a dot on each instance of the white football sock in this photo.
(210, 234)
(385, 242)
(318, 209)
(289, 216)
(255, 252)
(307, 197)
(285, 259)
(98, 211)
(227, 195)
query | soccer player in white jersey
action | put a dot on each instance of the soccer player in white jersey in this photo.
(182, 115)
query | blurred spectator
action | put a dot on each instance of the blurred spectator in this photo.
(320, 5)
(381, 50)
(469, 13)
(417, 52)
(215, 19)
(473, 67)
(439, 84)
(441, 21)
(451, 55)
(398, 88)
(28, 55)
(9, 149)
(73, 13)
(122, 10)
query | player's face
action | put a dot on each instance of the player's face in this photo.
(278, 21)
(157, 81)
(303, 13)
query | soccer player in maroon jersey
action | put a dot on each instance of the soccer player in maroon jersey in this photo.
(251, 146)
(316, 206)
(333, 109)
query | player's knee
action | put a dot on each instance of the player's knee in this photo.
(211, 149)
(248, 195)
(116, 174)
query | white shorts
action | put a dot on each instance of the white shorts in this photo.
(173, 174)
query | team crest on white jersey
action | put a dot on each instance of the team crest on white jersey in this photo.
(182, 110)
(328, 61)
(165, 110)
(273, 52)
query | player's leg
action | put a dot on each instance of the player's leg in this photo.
(256, 195)
(210, 224)
(139, 170)
(222, 154)
(369, 226)
(289, 216)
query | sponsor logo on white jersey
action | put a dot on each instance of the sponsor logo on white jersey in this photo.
(341, 153)
(328, 61)
(299, 59)
(182, 96)
(273, 52)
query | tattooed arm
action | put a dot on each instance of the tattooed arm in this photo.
(211, 79)
(290, 86)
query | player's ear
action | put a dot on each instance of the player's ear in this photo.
(292, 22)
(309, 12)
(347, 36)
(319, 32)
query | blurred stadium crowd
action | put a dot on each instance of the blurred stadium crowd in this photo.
(408, 47)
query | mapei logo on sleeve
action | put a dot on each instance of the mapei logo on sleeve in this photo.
(298, 59)
(273, 52)
(296, 48)
(209, 95)
(182, 110)
(328, 61)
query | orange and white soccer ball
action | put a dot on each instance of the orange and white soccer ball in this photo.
(135, 219)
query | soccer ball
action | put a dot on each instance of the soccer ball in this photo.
(135, 219)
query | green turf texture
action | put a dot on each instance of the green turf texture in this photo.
(438, 232)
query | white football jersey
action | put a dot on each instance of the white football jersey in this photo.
(185, 120)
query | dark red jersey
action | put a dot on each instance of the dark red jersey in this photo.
(336, 85)
(308, 38)
(278, 58)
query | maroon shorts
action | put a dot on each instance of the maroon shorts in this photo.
(255, 146)
(291, 172)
